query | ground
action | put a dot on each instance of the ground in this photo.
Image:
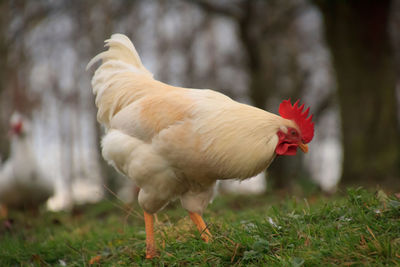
(356, 227)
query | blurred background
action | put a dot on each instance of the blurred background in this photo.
(342, 58)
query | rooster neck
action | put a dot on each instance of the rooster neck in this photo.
(242, 142)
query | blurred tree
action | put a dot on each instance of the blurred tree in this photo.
(14, 66)
(357, 32)
(395, 38)
(3, 53)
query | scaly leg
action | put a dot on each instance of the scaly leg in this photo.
(150, 245)
(201, 226)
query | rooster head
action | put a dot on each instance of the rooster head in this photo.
(292, 138)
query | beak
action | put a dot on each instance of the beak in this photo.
(303, 147)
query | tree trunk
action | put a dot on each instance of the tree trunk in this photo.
(357, 33)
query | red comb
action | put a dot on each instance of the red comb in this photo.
(294, 113)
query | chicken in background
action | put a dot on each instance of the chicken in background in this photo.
(177, 142)
(23, 184)
(84, 189)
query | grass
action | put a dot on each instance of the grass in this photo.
(357, 228)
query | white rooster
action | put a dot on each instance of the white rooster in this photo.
(22, 182)
(176, 142)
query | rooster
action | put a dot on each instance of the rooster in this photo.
(22, 182)
(177, 142)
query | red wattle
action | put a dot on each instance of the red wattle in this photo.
(284, 147)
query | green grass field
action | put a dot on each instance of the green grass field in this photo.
(355, 228)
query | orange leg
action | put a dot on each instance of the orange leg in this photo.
(201, 226)
(151, 251)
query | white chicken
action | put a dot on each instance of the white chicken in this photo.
(22, 182)
(177, 142)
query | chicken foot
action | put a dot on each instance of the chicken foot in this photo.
(201, 226)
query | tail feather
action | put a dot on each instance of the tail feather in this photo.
(116, 82)
(121, 49)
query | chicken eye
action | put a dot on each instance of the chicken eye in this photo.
(293, 133)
